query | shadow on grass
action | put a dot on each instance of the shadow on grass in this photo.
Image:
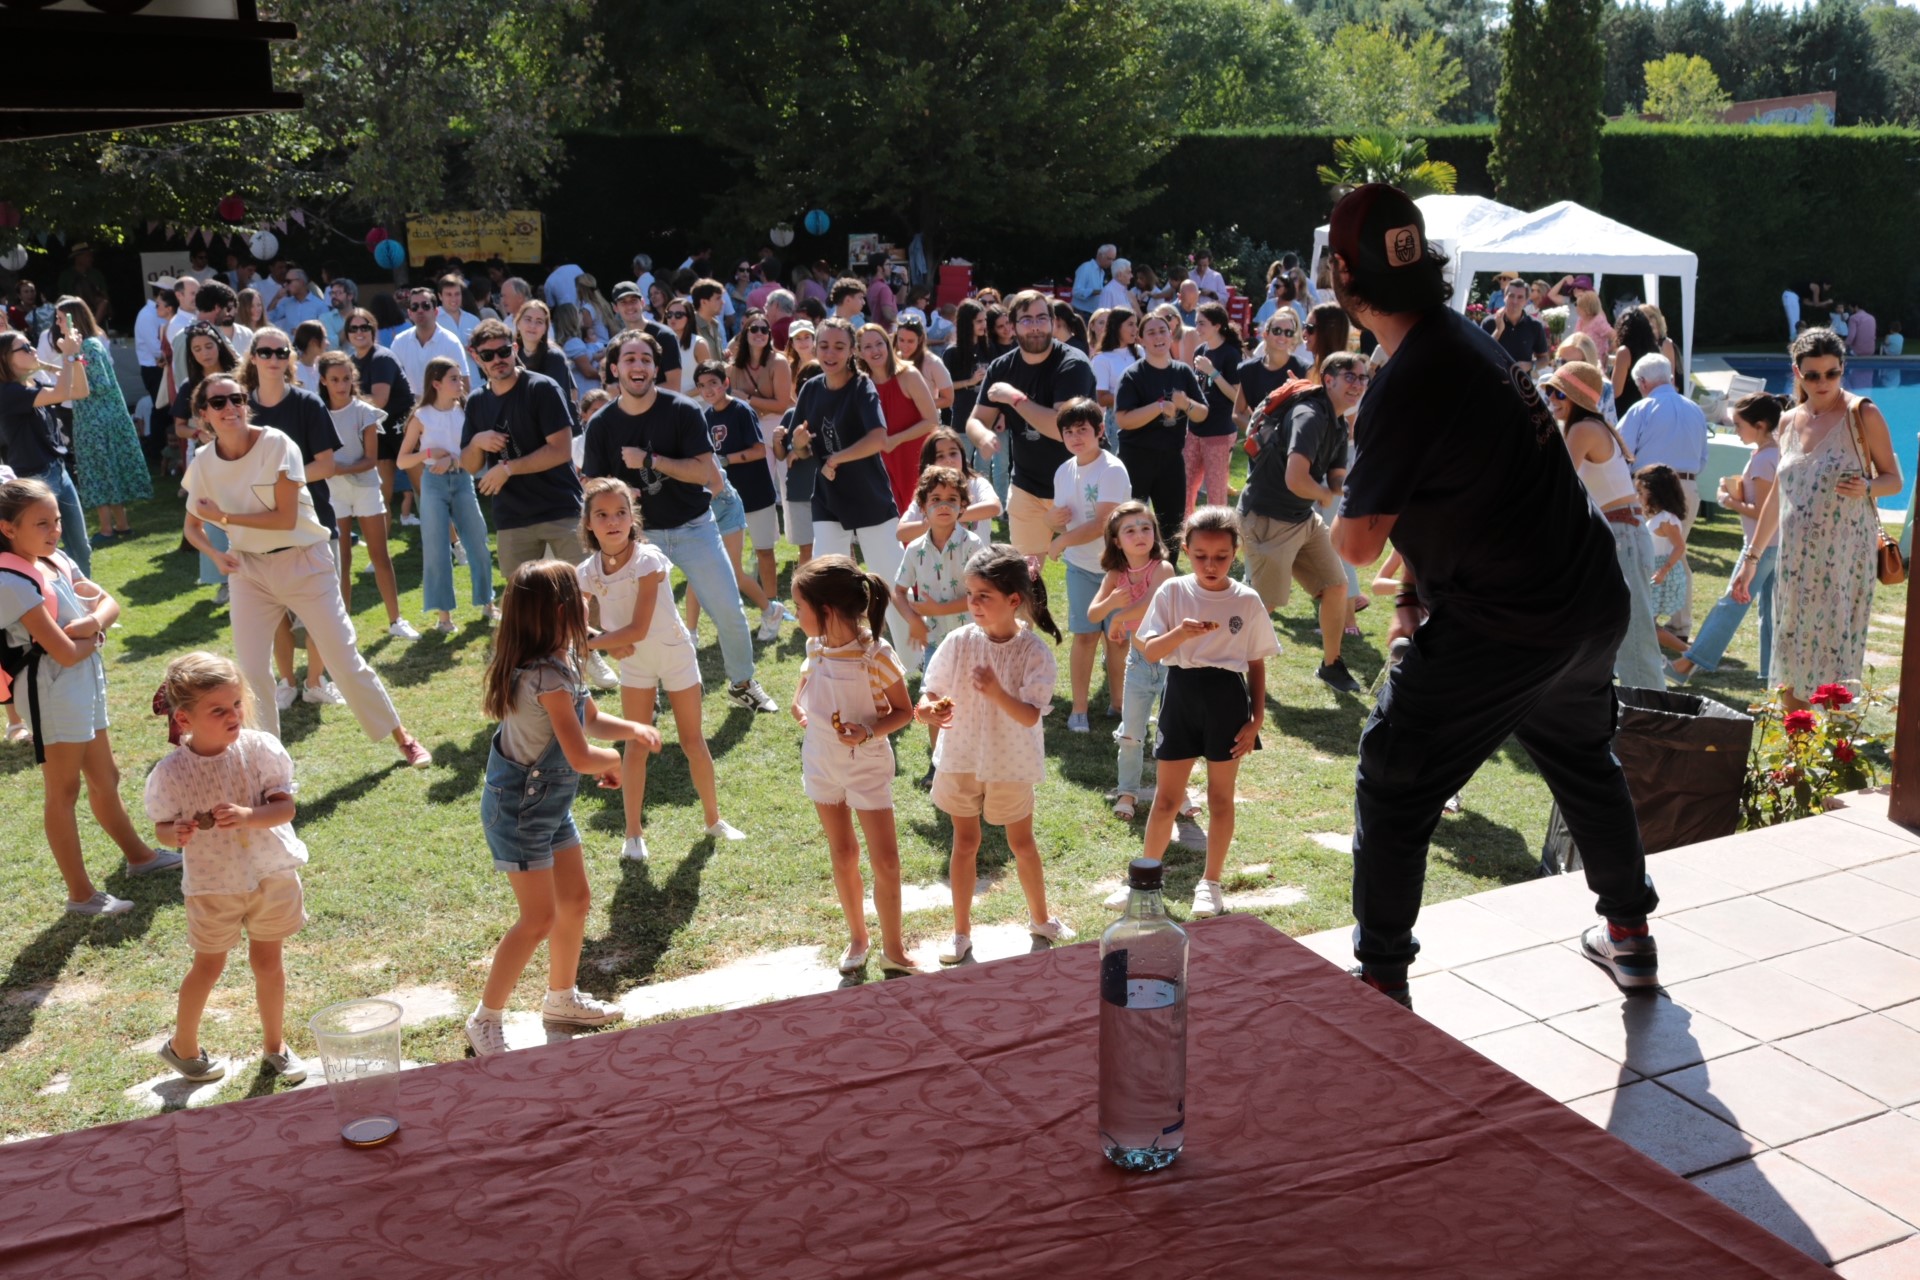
(322, 808)
(201, 625)
(1481, 847)
(459, 768)
(642, 921)
(41, 961)
(433, 653)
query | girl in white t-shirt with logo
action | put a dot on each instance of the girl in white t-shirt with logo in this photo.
(354, 485)
(1214, 636)
(987, 688)
(650, 648)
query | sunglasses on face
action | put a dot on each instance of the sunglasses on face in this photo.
(1356, 379)
(759, 328)
(14, 351)
(359, 328)
(492, 354)
(272, 353)
(1555, 393)
(1309, 326)
(225, 401)
(1827, 375)
(419, 306)
(676, 315)
(1282, 333)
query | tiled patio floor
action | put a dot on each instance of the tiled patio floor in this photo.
(1779, 1069)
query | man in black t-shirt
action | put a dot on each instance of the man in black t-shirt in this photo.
(1522, 337)
(631, 309)
(1512, 599)
(518, 440)
(657, 442)
(1031, 383)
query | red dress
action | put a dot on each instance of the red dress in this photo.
(903, 463)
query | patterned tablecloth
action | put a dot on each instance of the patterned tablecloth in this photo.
(937, 1126)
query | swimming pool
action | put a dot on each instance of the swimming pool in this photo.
(1892, 385)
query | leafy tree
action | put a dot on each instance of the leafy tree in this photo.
(1896, 43)
(1467, 27)
(1546, 146)
(1631, 36)
(1682, 89)
(1830, 45)
(1373, 78)
(1234, 62)
(1383, 157)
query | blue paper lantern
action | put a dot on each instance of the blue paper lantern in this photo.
(390, 254)
(818, 222)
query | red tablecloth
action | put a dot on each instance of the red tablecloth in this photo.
(938, 1126)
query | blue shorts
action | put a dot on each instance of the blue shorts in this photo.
(729, 512)
(527, 812)
(1082, 586)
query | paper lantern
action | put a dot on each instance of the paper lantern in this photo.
(233, 208)
(781, 235)
(390, 254)
(14, 258)
(818, 222)
(374, 237)
(9, 216)
(263, 245)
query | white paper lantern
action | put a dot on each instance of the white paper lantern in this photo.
(781, 235)
(263, 245)
(15, 258)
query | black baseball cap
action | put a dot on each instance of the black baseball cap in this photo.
(625, 289)
(1381, 238)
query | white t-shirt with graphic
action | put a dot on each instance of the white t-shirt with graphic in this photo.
(1081, 489)
(1243, 631)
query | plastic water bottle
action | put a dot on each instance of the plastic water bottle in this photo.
(1143, 1029)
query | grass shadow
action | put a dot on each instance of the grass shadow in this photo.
(433, 653)
(199, 627)
(459, 768)
(45, 958)
(1481, 847)
(322, 809)
(642, 921)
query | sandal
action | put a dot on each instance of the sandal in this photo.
(1123, 808)
(1192, 808)
(1352, 630)
(19, 732)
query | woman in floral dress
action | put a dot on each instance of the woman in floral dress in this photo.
(1823, 505)
(110, 468)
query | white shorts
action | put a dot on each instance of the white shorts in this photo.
(859, 777)
(358, 500)
(800, 521)
(764, 527)
(653, 665)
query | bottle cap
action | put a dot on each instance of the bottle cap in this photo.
(1144, 873)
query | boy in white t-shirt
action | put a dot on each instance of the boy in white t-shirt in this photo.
(930, 586)
(1086, 489)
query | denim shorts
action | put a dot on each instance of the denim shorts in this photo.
(1082, 586)
(528, 812)
(729, 512)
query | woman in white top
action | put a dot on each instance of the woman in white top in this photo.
(1756, 417)
(1606, 469)
(692, 348)
(252, 483)
(447, 497)
(1118, 351)
(354, 486)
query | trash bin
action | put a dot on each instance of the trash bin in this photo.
(1686, 760)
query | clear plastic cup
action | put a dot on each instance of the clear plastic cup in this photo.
(359, 1044)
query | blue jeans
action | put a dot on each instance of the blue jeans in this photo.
(998, 469)
(697, 552)
(451, 500)
(1716, 633)
(210, 575)
(1637, 664)
(73, 516)
(1145, 682)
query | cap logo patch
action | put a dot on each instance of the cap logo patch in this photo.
(1403, 246)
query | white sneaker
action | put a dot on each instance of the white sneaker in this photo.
(403, 630)
(284, 694)
(1118, 899)
(724, 830)
(1054, 930)
(325, 694)
(635, 849)
(460, 554)
(575, 1008)
(222, 594)
(101, 903)
(488, 1036)
(366, 570)
(770, 621)
(1208, 900)
(957, 949)
(410, 520)
(599, 674)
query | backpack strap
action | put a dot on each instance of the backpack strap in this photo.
(20, 567)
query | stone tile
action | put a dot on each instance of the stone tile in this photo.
(1875, 1159)
(1550, 1062)
(1895, 1262)
(1903, 937)
(1848, 901)
(1746, 861)
(1907, 1015)
(1665, 1128)
(1776, 1098)
(1763, 1002)
(1685, 955)
(1457, 933)
(1543, 981)
(1869, 809)
(1682, 888)
(1839, 842)
(1902, 873)
(1876, 1055)
(1555, 907)
(1870, 975)
(1817, 1216)
(1335, 946)
(1757, 927)
(1461, 1009)
(1651, 1034)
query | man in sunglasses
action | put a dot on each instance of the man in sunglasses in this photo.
(518, 441)
(1512, 596)
(631, 306)
(215, 304)
(414, 347)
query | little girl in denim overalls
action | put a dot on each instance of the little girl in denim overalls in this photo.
(533, 688)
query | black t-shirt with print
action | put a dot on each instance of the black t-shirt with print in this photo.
(671, 427)
(1226, 363)
(734, 428)
(30, 436)
(1307, 427)
(379, 366)
(532, 410)
(1063, 375)
(304, 418)
(1143, 384)
(1455, 441)
(1257, 382)
(553, 363)
(859, 496)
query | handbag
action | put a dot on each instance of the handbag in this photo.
(1889, 565)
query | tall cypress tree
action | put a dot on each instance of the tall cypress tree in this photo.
(1546, 142)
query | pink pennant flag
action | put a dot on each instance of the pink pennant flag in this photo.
(299, 216)
(153, 225)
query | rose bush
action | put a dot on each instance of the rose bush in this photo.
(1803, 759)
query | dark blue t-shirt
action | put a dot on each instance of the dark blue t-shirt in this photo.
(859, 496)
(1144, 385)
(530, 412)
(672, 427)
(304, 418)
(734, 428)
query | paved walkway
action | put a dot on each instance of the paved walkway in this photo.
(1779, 1070)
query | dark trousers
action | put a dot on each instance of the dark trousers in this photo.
(160, 421)
(1159, 479)
(1447, 707)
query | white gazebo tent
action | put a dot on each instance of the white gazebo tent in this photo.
(1567, 237)
(1451, 221)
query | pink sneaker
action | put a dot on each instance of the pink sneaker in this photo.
(415, 753)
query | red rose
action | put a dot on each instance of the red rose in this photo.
(1798, 722)
(1843, 751)
(1831, 695)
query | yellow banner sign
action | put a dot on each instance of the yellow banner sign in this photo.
(513, 236)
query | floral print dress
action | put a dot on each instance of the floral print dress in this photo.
(1824, 595)
(110, 470)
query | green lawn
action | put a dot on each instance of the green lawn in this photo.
(401, 890)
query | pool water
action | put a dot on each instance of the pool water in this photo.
(1893, 386)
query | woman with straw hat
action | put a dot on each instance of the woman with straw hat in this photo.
(1605, 465)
